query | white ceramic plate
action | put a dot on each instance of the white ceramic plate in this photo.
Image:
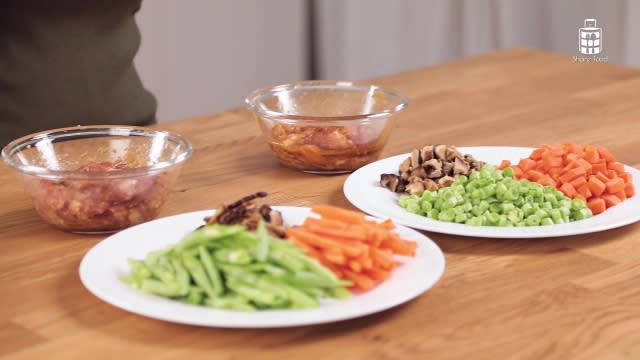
(363, 190)
(102, 266)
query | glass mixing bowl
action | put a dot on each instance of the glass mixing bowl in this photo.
(326, 127)
(94, 179)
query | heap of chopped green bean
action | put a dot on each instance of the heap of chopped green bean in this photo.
(492, 197)
(228, 267)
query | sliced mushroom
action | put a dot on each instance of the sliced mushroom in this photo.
(447, 168)
(440, 152)
(446, 181)
(433, 168)
(415, 188)
(460, 167)
(406, 165)
(415, 158)
(390, 181)
(426, 153)
(430, 185)
(420, 172)
(452, 153)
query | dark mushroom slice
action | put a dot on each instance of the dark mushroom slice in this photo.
(390, 181)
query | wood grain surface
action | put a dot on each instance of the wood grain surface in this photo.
(558, 298)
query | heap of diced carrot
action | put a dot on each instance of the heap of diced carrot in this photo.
(353, 247)
(588, 172)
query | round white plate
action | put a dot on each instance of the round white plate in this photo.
(362, 188)
(102, 266)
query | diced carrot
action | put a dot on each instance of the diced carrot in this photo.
(586, 165)
(599, 167)
(526, 164)
(572, 174)
(537, 154)
(615, 185)
(621, 195)
(591, 154)
(616, 166)
(534, 175)
(605, 154)
(570, 157)
(555, 173)
(596, 205)
(629, 189)
(517, 171)
(626, 177)
(611, 200)
(547, 180)
(580, 197)
(568, 190)
(554, 161)
(602, 177)
(504, 164)
(579, 181)
(596, 186)
(584, 190)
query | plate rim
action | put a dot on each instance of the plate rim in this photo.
(480, 231)
(432, 249)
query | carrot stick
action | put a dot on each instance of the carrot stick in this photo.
(334, 212)
(323, 241)
(360, 281)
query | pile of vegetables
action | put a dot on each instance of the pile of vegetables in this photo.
(353, 247)
(494, 197)
(589, 173)
(228, 267)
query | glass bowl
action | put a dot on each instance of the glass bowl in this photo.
(326, 127)
(97, 179)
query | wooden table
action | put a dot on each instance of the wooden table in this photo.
(558, 298)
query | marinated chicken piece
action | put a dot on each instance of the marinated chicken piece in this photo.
(247, 212)
(331, 148)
